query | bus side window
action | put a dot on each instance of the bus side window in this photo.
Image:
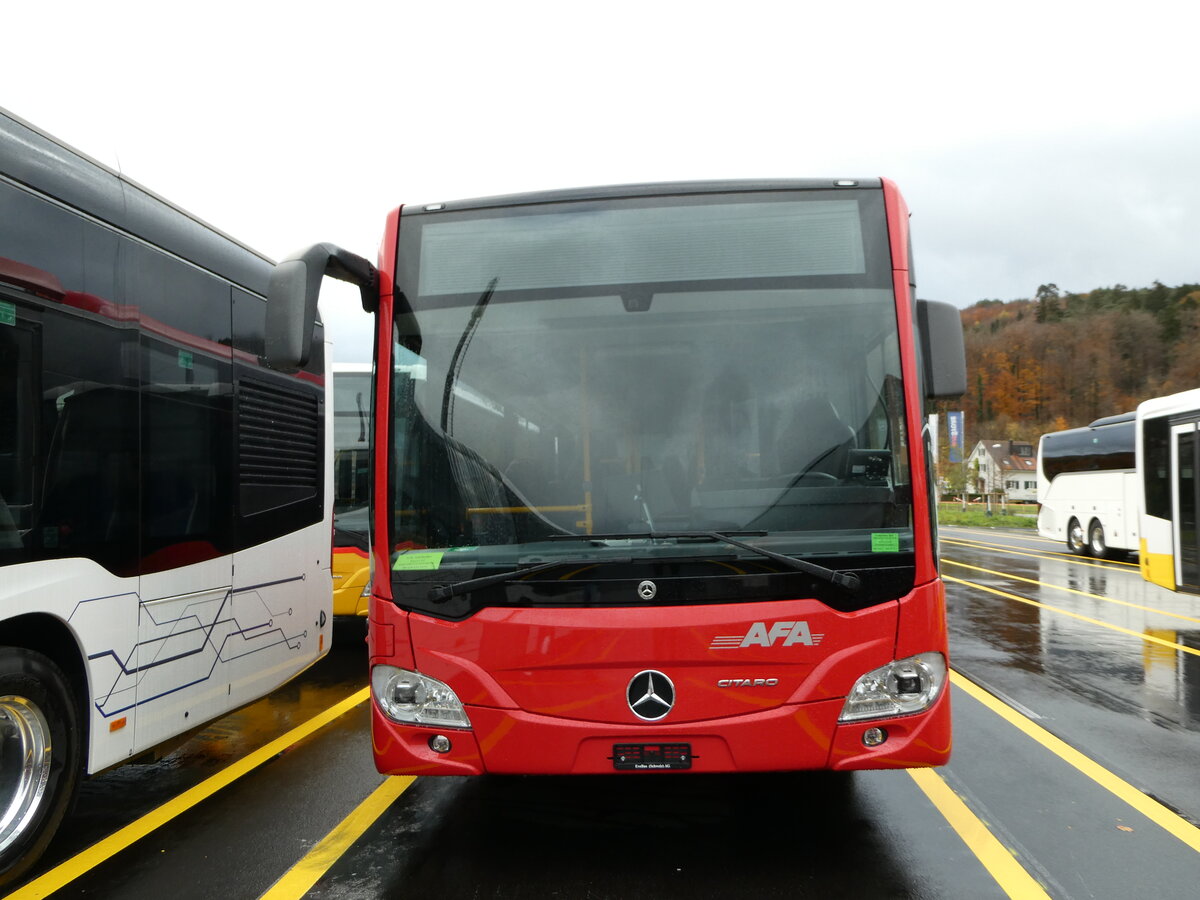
(1156, 442)
(90, 499)
(18, 411)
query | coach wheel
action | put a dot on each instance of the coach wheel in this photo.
(39, 757)
(1099, 546)
(1076, 542)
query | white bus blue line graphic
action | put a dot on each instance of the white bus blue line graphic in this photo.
(189, 647)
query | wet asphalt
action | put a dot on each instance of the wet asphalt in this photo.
(1103, 667)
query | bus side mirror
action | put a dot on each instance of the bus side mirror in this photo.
(939, 326)
(292, 299)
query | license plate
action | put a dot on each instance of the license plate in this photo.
(652, 756)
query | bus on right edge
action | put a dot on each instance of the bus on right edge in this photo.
(1088, 487)
(1168, 455)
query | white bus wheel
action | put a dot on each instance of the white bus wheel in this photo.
(1076, 541)
(40, 756)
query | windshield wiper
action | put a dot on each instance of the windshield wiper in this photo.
(445, 592)
(847, 580)
(456, 361)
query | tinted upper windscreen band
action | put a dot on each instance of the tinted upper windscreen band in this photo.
(627, 245)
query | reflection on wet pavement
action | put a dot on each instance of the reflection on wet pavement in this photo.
(1147, 658)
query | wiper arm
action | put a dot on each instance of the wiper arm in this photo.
(456, 360)
(445, 592)
(847, 580)
(362, 418)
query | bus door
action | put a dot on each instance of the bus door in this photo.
(186, 626)
(1185, 500)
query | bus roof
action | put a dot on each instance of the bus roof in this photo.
(31, 158)
(1113, 420)
(1171, 404)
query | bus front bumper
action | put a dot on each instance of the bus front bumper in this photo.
(787, 738)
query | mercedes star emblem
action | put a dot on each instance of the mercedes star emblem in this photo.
(647, 590)
(651, 695)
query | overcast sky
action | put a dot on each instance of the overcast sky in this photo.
(1034, 142)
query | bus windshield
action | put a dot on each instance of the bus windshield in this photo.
(619, 369)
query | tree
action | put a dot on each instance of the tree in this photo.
(1048, 307)
(1060, 360)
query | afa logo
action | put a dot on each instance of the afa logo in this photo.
(760, 634)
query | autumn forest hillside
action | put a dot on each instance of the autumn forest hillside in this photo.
(1061, 360)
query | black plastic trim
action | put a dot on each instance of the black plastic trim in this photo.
(648, 189)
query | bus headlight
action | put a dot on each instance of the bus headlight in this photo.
(416, 699)
(900, 688)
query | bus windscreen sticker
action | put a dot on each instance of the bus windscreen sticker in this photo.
(8, 314)
(418, 561)
(885, 542)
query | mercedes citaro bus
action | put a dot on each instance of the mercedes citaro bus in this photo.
(651, 482)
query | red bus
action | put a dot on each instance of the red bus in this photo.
(651, 481)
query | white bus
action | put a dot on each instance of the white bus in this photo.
(1168, 448)
(1088, 487)
(165, 524)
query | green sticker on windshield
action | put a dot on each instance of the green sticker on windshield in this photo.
(418, 561)
(8, 314)
(885, 542)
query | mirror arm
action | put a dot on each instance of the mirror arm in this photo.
(292, 299)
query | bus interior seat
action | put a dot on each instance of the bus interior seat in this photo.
(815, 441)
(622, 498)
(665, 491)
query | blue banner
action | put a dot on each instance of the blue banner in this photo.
(954, 423)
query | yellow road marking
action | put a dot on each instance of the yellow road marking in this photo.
(1083, 560)
(88, 859)
(1001, 864)
(298, 880)
(1027, 534)
(1058, 587)
(1066, 612)
(1111, 565)
(1023, 534)
(1147, 806)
